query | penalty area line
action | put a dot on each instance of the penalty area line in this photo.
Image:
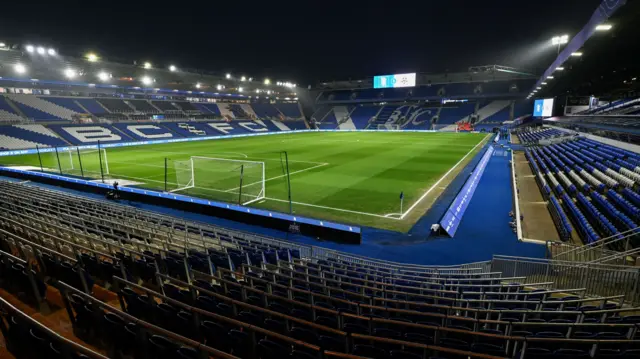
(424, 195)
(330, 208)
(276, 177)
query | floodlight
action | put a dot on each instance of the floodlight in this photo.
(103, 76)
(70, 73)
(543, 83)
(603, 27)
(559, 68)
(560, 40)
(268, 92)
(240, 89)
(147, 65)
(91, 57)
(267, 82)
(243, 78)
(30, 48)
(51, 52)
(2, 44)
(257, 90)
(41, 50)
(219, 87)
(19, 68)
(198, 85)
(228, 76)
(147, 80)
(576, 54)
(550, 77)
(538, 88)
(172, 68)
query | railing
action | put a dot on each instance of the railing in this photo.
(599, 280)
(599, 250)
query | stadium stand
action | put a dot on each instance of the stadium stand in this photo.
(39, 110)
(7, 113)
(142, 106)
(165, 106)
(266, 111)
(115, 105)
(252, 297)
(592, 179)
(67, 102)
(93, 106)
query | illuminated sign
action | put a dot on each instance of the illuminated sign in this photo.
(393, 81)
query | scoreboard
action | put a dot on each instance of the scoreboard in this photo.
(393, 81)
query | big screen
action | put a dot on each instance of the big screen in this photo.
(392, 81)
(543, 108)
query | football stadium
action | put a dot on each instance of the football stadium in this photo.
(160, 211)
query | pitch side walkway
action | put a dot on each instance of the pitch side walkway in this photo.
(483, 232)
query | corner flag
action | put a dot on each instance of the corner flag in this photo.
(401, 200)
(402, 195)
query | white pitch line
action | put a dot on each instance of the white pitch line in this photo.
(276, 177)
(440, 180)
(331, 208)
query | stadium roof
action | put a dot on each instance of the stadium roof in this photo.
(595, 62)
(34, 63)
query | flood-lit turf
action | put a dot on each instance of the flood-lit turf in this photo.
(352, 177)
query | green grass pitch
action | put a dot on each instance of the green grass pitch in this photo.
(350, 177)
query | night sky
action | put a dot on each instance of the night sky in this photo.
(304, 41)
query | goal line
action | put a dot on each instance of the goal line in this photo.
(219, 174)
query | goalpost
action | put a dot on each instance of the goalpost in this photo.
(227, 179)
(389, 127)
(87, 162)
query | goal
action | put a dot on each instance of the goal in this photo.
(388, 127)
(88, 162)
(221, 178)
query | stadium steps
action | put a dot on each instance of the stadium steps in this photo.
(44, 106)
(249, 111)
(491, 109)
(341, 114)
(6, 116)
(10, 105)
(280, 125)
(321, 113)
(225, 111)
(13, 143)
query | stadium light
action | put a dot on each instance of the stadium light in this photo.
(91, 57)
(20, 68)
(30, 48)
(51, 52)
(41, 50)
(560, 68)
(228, 76)
(240, 89)
(172, 68)
(2, 44)
(243, 79)
(267, 82)
(560, 40)
(550, 77)
(103, 76)
(538, 88)
(70, 73)
(576, 54)
(146, 80)
(543, 83)
(198, 85)
(257, 90)
(268, 92)
(147, 65)
(219, 87)
(603, 27)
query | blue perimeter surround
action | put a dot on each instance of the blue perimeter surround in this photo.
(177, 197)
(453, 216)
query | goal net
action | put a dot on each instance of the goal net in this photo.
(389, 127)
(223, 179)
(91, 162)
